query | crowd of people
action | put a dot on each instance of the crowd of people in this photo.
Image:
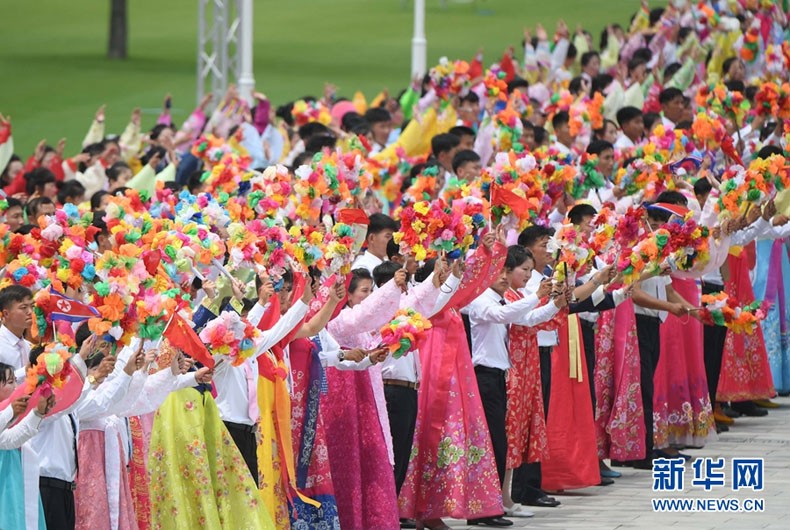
(500, 283)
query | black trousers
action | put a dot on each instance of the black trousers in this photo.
(58, 504)
(649, 337)
(402, 412)
(244, 436)
(588, 339)
(527, 478)
(713, 348)
(493, 394)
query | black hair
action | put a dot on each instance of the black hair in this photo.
(560, 118)
(575, 86)
(643, 53)
(82, 334)
(635, 63)
(101, 225)
(655, 15)
(35, 351)
(114, 171)
(683, 32)
(597, 147)
(378, 222)
(384, 272)
(470, 97)
(736, 86)
(540, 134)
(684, 125)
(462, 130)
(4, 175)
(442, 143)
(319, 142)
(195, 181)
(157, 130)
(626, 114)
(356, 276)
(284, 113)
(311, 129)
(769, 150)
(464, 156)
(69, 190)
(423, 272)
(301, 159)
(702, 186)
(572, 51)
(589, 56)
(600, 82)
(33, 206)
(6, 374)
(672, 197)
(750, 92)
(393, 249)
(516, 255)
(13, 294)
(377, 115)
(350, 119)
(517, 82)
(580, 211)
(153, 151)
(12, 202)
(668, 94)
(526, 124)
(96, 199)
(361, 128)
(532, 233)
(650, 119)
(38, 178)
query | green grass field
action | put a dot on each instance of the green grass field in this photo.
(55, 72)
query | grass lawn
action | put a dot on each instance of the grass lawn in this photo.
(55, 72)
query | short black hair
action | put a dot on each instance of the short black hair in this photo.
(464, 156)
(356, 276)
(115, 170)
(442, 143)
(516, 255)
(349, 120)
(768, 151)
(702, 186)
(195, 181)
(38, 178)
(560, 118)
(668, 94)
(736, 86)
(572, 51)
(12, 202)
(69, 190)
(13, 294)
(643, 53)
(600, 82)
(377, 115)
(672, 197)
(650, 119)
(532, 233)
(378, 222)
(33, 205)
(319, 142)
(157, 130)
(311, 129)
(6, 374)
(517, 82)
(575, 86)
(470, 97)
(725, 66)
(589, 56)
(384, 272)
(540, 134)
(580, 211)
(670, 70)
(423, 272)
(597, 147)
(626, 114)
(462, 130)
(96, 199)
(635, 63)
(393, 249)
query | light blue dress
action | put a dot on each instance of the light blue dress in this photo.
(777, 342)
(12, 496)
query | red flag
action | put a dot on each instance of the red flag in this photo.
(273, 315)
(182, 336)
(506, 64)
(352, 216)
(504, 197)
(476, 67)
(728, 146)
(64, 308)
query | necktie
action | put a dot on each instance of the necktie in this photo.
(507, 341)
(73, 424)
(252, 395)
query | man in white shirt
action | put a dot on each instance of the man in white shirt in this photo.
(237, 398)
(562, 130)
(671, 100)
(632, 126)
(380, 230)
(654, 298)
(16, 306)
(490, 316)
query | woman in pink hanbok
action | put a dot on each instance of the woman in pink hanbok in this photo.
(452, 472)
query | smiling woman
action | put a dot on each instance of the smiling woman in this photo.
(57, 71)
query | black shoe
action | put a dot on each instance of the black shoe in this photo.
(621, 463)
(731, 412)
(720, 428)
(748, 408)
(784, 394)
(408, 523)
(498, 521)
(645, 463)
(545, 502)
(605, 481)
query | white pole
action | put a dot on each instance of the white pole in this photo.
(246, 79)
(418, 42)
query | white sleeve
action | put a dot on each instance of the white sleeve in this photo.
(539, 315)
(447, 291)
(6, 415)
(14, 437)
(256, 314)
(329, 355)
(287, 322)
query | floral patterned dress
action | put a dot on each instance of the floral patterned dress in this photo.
(198, 476)
(619, 416)
(451, 470)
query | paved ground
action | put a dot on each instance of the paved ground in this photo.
(627, 503)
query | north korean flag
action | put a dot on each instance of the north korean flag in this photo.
(64, 308)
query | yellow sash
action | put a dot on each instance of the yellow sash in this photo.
(574, 349)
